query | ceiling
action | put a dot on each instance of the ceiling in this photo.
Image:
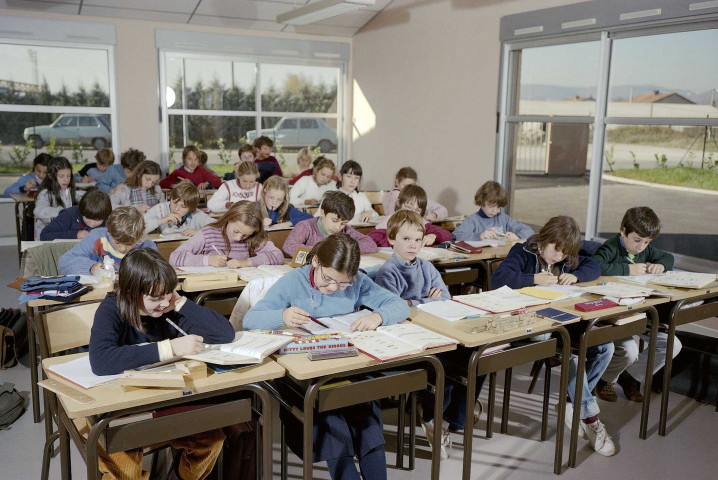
(243, 14)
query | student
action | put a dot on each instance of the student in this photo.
(131, 329)
(140, 190)
(407, 176)
(57, 191)
(630, 253)
(490, 222)
(308, 172)
(247, 153)
(103, 159)
(243, 187)
(349, 177)
(413, 198)
(332, 285)
(116, 174)
(77, 221)
(413, 279)
(203, 163)
(180, 214)
(191, 171)
(309, 190)
(236, 240)
(551, 257)
(337, 209)
(304, 163)
(125, 231)
(275, 207)
(30, 181)
(266, 162)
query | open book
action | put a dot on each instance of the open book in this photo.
(336, 324)
(263, 271)
(622, 290)
(397, 341)
(248, 347)
(450, 310)
(684, 279)
(439, 254)
(501, 300)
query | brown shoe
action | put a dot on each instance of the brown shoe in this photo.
(631, 387)
(605, 391)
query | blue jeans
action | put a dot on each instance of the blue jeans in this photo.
(597, 359)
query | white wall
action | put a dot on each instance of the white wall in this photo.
(429, 71)
(136, 66)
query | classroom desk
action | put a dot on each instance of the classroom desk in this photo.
(312, 378)
(682, 316)
(39, 307)
(591, 336)
(111, 402)
(478, 364)
(165, 247)
(21, 202)
(449, 223)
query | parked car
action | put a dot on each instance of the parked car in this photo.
(293, 132)
(94, 130)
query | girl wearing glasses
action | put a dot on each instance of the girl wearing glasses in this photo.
(331, 284)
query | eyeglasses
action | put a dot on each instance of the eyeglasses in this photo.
(331, 281)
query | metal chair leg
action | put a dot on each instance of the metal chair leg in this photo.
(546, 393)
(400, 430)
(535, 371)
(283, 450)
(507, 398)
(412, 429)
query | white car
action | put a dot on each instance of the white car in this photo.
(293, 132)
(92, 130)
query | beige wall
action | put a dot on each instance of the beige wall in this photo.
(136, 66)
(429, 71)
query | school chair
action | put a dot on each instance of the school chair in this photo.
(39, 261)
(375, 199)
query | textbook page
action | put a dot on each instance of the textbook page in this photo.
(248, 347)
(450, 310)
(336, 324)
(381, 347)
(416, 335)
(685, 279)
(79, 372)
(640, 279)
(501, 300)
(621, 290)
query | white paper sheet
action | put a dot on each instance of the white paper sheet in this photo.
(79, 372)
(450, 310)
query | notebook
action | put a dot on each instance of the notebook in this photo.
(450, 310)
(397, 341)
(336, 324)
(248, 347)
(263, 271)
(501, 300)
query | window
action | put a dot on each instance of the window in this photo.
(48, 93)
(596, 122)
(219, 102)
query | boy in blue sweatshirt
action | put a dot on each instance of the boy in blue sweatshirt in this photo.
(116, 174)
(30, 181)
(490, 222)
(77, 221)
(125, 231)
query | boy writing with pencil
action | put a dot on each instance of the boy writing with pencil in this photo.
(629, 252)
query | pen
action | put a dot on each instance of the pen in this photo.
(282, 332)
(80, 224)
(317, 321)
(215, 249)
(176, 326)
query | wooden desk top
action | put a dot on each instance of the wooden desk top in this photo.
(300, 367)
(22, 197)
(459, 330)
(94, 294)
(111, 397)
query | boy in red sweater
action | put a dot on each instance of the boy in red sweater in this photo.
(266, 162)
(191, 171)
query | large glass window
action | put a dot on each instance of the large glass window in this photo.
(213, 101)
(657, 124)
(55, 99)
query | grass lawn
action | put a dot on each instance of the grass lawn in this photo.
(681, 176)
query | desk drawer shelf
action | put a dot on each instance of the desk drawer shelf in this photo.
(360, 391)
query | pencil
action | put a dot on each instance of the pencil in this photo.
(176, 327)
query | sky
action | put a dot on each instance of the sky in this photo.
(680, 61)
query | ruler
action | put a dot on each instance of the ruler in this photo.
(66, 391)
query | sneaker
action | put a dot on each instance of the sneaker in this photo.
(569, 417)
(605, 391)
(445, 446)
(599, 438)
(631, 387)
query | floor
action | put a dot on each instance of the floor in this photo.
(685, 453)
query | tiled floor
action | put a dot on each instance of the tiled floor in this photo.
(688, 452)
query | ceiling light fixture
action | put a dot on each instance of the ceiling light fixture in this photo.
(321, 10)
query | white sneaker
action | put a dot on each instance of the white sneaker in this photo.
(445, 446)
(599, 438)
(568, 417)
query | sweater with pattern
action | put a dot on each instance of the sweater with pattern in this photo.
(411, 280)
(231, 192)
(308, 233)
(295, 290)
(195, 252)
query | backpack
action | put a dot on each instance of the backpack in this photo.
(13, 337)
(12, 405)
